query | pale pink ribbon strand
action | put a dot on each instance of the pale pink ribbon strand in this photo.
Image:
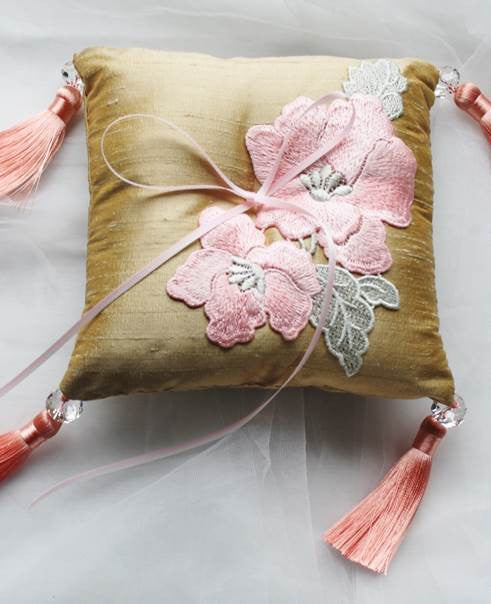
(164, 452)
(261, 197)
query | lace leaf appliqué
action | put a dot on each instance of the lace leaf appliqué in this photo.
(351, 317)
(378, 291)
(382, 79)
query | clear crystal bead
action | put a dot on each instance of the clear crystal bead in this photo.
(71, 76)
(450, 417)
(63, 409)
(449, 80)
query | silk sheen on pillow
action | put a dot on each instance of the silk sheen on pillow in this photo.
(148, 341)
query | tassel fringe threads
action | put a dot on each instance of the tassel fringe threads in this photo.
(372, 532)
(27, 148)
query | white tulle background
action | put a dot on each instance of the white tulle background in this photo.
(239, 521)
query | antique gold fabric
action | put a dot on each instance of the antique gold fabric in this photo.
(146, 341)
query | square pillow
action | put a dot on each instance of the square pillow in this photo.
(239, 307)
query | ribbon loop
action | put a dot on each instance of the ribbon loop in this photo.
(249, 200)
(253, 199)
(261, 197)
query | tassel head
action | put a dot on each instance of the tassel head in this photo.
(429, 436)
(16, 447)
(467, 96)
(475, 103)
(66, 103)
(39, 430)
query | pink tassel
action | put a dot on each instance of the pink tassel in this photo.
(15, 447)
(475, 103)
(27, 148)
(372, 532)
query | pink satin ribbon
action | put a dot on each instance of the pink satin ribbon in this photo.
(252, 200)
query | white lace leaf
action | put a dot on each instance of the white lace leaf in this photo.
(378, 291)
(351, 317)
(382, 79)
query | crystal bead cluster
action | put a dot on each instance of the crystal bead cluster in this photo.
(71, 76)
(448, 82)
(63, 409)
(450, 417)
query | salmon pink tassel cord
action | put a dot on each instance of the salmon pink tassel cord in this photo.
(27, 148)
(372, 532)
(475, 103)
(468, 97)
(15, 447)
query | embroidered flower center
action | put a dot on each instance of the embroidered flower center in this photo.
(324, 183)
(247, 275)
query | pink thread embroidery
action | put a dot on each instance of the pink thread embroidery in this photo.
(243, 284)
(368, 179)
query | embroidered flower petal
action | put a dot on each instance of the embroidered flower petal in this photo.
(291, 260)
(371, 124)
(320, 125)
(344, 219)
(192, 282)
(264, 142)
(366, 251)
(288, 307)
(236, 236)
(385, 186)
(292, 116)
(290, 225)
(234, 314)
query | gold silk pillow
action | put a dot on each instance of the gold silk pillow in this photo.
(239, 307)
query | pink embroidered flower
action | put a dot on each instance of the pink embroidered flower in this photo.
(242, 283)
(366, 180)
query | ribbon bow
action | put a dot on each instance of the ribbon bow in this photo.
(251, 200)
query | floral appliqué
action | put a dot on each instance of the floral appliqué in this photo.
(382, 79)
(244, 284)
(365, 181)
